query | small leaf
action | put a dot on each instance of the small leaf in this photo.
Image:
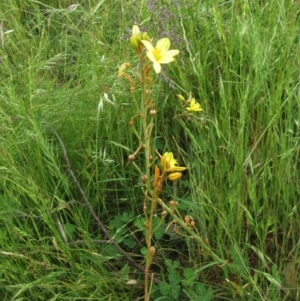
(143, 251)
(126, 217)
(174, 278)
(176, 264)
(129, 242)
(164, 288)
(189, 274)
(69, 229)
(174, 291)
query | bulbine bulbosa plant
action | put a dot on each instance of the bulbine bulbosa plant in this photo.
(157, 168)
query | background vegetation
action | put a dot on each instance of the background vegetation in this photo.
(59, 60)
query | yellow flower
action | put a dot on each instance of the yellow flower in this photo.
(160, 54)
(169, 163)
(194, 106)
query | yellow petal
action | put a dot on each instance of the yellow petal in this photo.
(163, 44)
(148, 45)
(168, 56)
(157, 67)
(194, 106)
(135, 30)
(176, 168)
(174, 176)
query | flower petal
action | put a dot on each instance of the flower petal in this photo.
(174, 176)
(163, 44)
(151, 57)
(168, 57)
(135, 30)
(148, 45)
(176, 168)
(157, 67)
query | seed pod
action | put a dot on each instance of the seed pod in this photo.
(144, 179)
(131, 158)
(152, 112)
(151, 251)
(164, 213)
(187, 220)
(173, 203)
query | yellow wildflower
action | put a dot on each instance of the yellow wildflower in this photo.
(194, 106)
(170, 164)
(160, 54)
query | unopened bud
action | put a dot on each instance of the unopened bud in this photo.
(146, 37)
(131, 122)
(193, 224)
(180, 97)
(136, 37)
(174, 176)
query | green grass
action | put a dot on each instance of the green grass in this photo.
(241, 62)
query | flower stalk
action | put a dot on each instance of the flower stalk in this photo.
(168, 167)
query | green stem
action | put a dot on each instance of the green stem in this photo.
(191, 232)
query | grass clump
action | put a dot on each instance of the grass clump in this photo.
(59, 64)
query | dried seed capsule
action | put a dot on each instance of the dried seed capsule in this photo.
(131, 158)
(151, 251)
(152, 112)
(144, 179)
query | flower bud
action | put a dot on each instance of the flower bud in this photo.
(180, 97)
(174, 176)
(131, 122)
(193, 224)
(146, 37)
(136, 37)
